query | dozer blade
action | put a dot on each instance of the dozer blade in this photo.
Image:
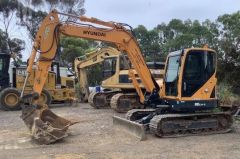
(45, 126)
(129, 127)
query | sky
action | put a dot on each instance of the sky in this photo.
(153, 12)
(146, 12)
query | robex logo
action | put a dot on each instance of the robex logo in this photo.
(94, 33)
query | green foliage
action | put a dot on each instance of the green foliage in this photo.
(229, 59)
(178, 34)
(148, 41)
(3, 42)
(73, 47)
(8, 45)
(31, 21)
(31, 18)
(66, 6)
(174, 36)
(95, 75)
(7, 6)
(17, 45)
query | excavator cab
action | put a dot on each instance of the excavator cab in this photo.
(4, 66)
(198, 69)
(55, 67)
(190, 78)
(110, 65)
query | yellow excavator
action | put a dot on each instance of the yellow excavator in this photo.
(185, 104)
(99, 56)
(180, 108)
(119, 92)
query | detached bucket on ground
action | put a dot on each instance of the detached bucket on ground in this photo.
(45, 126)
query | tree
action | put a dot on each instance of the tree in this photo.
(3, 42)
(8, 9)
(229, 48)
(178, 34)
(15, 44)
(65, 6)
(74, 47)
(32, 17)
(31, 21)
(30, 13)
(148, 41)
(95, 76)
(175, 35)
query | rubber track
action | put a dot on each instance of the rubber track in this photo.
(129, 96)
(114, 101)
(160, 118)
(92, 98)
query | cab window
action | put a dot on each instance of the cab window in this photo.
(199, 67)
(109, 67)
(1, 65)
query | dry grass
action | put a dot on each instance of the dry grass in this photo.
(226, 96)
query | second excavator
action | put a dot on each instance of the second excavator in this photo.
(119, 92)
(187, 91)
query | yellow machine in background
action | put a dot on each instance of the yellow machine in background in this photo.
(83, 63)
(56, 88)
(119, 92)
(54, 91)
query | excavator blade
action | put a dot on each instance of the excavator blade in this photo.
(130, 127)
(45, 126)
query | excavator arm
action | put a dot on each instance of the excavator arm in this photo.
(83, 62)
(45, 126)
(49, 34)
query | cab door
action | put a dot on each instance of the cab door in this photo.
(171, 75)
(199, 67)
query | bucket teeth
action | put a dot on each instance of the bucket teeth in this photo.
(130, 127)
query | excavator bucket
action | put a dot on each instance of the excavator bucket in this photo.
(133, 128)
(45, 126)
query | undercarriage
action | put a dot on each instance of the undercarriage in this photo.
(141, 121)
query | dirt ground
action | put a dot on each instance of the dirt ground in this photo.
(94, 137)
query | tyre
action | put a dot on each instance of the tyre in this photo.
(45, 97)
(10, 99)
